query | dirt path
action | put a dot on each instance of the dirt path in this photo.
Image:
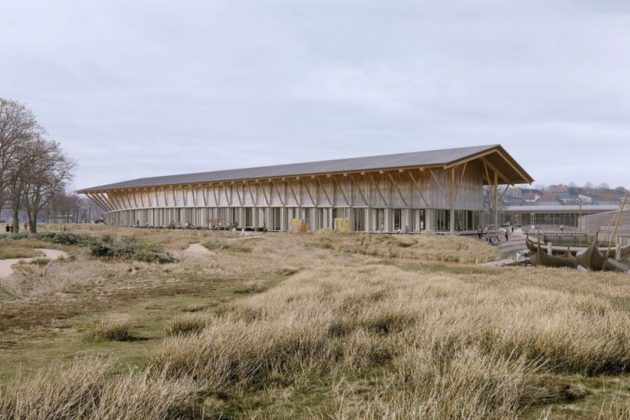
(6, 266)
(198, 249)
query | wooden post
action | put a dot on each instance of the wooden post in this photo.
(452, 201)
(610, 240)
(496, 200)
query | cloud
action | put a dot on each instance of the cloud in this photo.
(152, 87)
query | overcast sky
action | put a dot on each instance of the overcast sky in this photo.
(143, 88)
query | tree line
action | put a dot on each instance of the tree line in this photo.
(34, 170)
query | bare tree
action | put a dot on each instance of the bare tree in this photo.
(70, 207)
(33, 169)
(17, 126)
(16, 179)
(45, 177)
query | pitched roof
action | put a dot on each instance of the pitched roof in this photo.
(430, 158)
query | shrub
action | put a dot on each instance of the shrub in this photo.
(16, 236)
(127, 247)
(225, 246)
(102, 251)
(154, 257)
(130, 248)
(41, 262)
(188, 324)
(66, 238)
(112, 330)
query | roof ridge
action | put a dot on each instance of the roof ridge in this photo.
(407, 159)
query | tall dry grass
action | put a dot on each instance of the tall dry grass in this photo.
(426, 247)
(441, 346)
(11, 251)
(88, 388)
(112, 329)
(369, 327)
(187, 324)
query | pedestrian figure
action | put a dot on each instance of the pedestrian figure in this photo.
(479, 232)
(506, 235)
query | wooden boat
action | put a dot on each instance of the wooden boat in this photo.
(591, 257)
(562, 250)
(530, 245)
(572, 239)
(543, 258)
(568, 254)
(624, 252)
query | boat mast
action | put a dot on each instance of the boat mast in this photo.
(610, 241)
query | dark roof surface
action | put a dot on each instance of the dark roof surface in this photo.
(400, 160)
(561, 208)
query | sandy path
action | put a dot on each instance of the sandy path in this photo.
(6, 266)
(198, 249)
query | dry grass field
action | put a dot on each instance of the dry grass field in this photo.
(317, 325)
(23, 249)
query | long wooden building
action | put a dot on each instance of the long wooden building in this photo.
(439, 190)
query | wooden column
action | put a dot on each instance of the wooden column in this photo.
(453, 197)
(496, 200)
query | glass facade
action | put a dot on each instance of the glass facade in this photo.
(276, 218)
(548, 219)
(379, 215)
(249, 219)
(467, 220)
(358, 222)
(397, 219)
(418, 220)
(442, 220)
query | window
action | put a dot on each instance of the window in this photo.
(379, 219)
(248, 216)
(397, 219)
(358, 224)
(466, 220)
(188, 216)
(417, 220)
(276, 216)
(442, 220)
(320, 219)
(307, 217)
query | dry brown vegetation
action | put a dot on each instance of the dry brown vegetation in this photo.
(90, 388)
(10, 249)
(427, 247)
(329, 325)
(112, 329)
(187, 324)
